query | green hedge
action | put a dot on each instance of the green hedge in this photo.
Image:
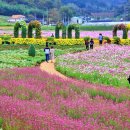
(60, 26)
(37, 25)
(77, 30)
(122, 27)
(18, 25)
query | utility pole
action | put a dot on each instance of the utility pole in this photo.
(43, 20)
(35, 16)
(47, 16)
(65, 18)
(68, 20)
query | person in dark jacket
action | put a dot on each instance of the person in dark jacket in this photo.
(47, 53)
(91, 43)
(129, 79)
(87, 44)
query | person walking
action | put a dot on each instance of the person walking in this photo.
(52, 35)
(52, 55)
(100, 38)
(47, 53)
(91, 43)
(87, 44)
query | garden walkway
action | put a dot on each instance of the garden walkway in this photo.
(50, 67)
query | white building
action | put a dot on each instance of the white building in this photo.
(16, 18)
(76, 20)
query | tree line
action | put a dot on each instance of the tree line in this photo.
(54, 10)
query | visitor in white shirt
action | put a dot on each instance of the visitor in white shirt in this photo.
(100, 38)
(47, 53)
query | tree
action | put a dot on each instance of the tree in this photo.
(31, 51)
(54, 15)
(69, 10)
(58, 4)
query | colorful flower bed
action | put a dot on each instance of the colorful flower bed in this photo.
(35, 100)
(109, 64)
(19, 58)
(57, 41)
(17, 55)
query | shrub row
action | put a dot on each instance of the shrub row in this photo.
(61, 26)
(42, 41)
(33, 24)
(122, 27)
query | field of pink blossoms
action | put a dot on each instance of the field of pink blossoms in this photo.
(34, 100)
(110, 60)
(93, 34)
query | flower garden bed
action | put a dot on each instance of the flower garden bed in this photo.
(17, 55)
(36, 100)
(59, 42)
(109, 65)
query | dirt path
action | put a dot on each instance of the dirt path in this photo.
(50, 67)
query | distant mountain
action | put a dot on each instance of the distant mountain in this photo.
(57, 8)
(99, 4)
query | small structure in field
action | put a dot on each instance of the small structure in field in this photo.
(16, 18)
(76, 20)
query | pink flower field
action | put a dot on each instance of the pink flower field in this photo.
(111, 59)
(93, 34)
(109, 64)
(34, 100)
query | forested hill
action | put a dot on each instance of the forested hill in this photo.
(98, 3)
(70, 7)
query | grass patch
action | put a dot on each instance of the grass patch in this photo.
(95, 77)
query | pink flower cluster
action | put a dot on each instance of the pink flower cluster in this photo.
(31, 99)
(109, 59)
(93, 34)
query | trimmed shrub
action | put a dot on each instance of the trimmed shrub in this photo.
(50, 40)
(122, 27)
(107, 39)
(24, 29)
(31, 51)
(18, 25)
(60, 26)
(37, 25)
(77, 30)
(16, 29)
(86, 38)
(116, 40)
(5, 38)
(0, 40)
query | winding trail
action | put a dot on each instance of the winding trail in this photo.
(50, 67)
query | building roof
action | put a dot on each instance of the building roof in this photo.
(17, 16)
